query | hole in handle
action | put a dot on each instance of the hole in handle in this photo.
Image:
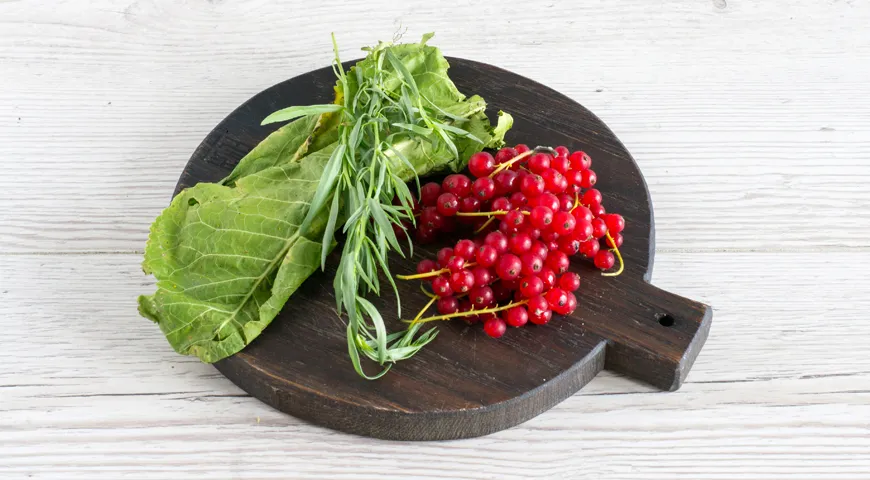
(665, 320)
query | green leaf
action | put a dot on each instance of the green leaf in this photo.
(290, 113)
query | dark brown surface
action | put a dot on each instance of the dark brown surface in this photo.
(465, 384)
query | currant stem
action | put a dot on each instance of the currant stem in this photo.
(576, 202)
(485, 224)
(433, 273)
(425, 307)
(618, 255)
(510, 162)
(468, 313)
(488, 214)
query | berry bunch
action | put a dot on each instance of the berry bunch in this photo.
(529, 211)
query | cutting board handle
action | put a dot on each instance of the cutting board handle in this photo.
(661, 343)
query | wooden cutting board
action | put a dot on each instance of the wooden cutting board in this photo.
(466, 384)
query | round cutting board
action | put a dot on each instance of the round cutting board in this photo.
(465, 384)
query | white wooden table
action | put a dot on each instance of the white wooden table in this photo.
(750, 121)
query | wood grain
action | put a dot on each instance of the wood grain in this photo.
(749, 120)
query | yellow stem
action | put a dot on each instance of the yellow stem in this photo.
(618, 255)
(426, 307)
(493, 213)
(485, 224)
(510, 162)
(576, 202)
(466, 314)
(433, 273)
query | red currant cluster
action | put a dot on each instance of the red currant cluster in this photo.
(529, 211)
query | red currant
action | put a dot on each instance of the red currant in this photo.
(557, 298)
(494, 327)
(482, 275)
(590, 248)
(534, 233)
(516, 316)
(481, 297)
(547, 276)
(518, 200)
(541, 217)
(486, 255)
(549, 235)
(561, 164)
(571, 305)
(465, 249)
(481, 164)
(553, 180)
(563, 223)
(431, 219)
(443, 256)
(498, 241)
(505, 154)
(616, 239)
(522, 148)
(515, 219)
(532, 264)
(566, 202)
(541, 319)
(531, 286)
(599, 228)
(447, 204)
(539, 250)
(461, 281)
(583, 231)
(426, 266)
(550, 201)
(483, 188)
(505, 181)
(582, 213)
(520, 243)
(615, 222)
(558, 261)
(501, 204)
(538, 305)
(429, 194)
(598, 210)
(604, 260)
(589, 179)
(532, 185)
(580, 161)
(455, 264)
(441, 287)
(562, 150)
(457, 184)
(591, 197)
(569, 282)
(539, 162)
(574, 177)
(447, 305)
(509, 267)
(569, 245)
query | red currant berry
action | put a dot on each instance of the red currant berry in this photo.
(534, 233)
(481, 297)
(552, 245)
(549, 235)
(615, 222)
(505, 181)
(574, 177)
(447, 305)
(501, 292)
(494, 327)
(558, 261)
(604, 260)
(431, 219)
(583, 231)
(505, 154)
(580, 161)
(441, 287)
(443, 256)
(509, 267)
(590, 248)
(482, 275)
(569, 282)
(561, 164)
(598, 210)
(461, 281)
(562, 150)
(532, 264)
(589, 179)
(501, 204)
(569, 245)
(563, 223)
(447, 204)
(522, 148)
(539, 162)
(541, 319)
(532, 185)
(539, 250)
(481, 164)
(617, 239)
(550, 201)
(538, 305)
(429, 194)
(515, 219)
(582, 213)
(531, 286)
(520, 243)
(556, 298)
(566, 202)
(516, 316)
(455, 264)
(465, 249)
(457, 184)
(498, 241)
(571, 305)
(552, 180)
(486, 255)
(548, 276)
(483, 188)
(518, 200)
(426, 266)
(541, 217)
(591, 197)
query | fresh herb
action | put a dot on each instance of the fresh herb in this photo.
(227, 256)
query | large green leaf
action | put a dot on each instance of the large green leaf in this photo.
(227, 258)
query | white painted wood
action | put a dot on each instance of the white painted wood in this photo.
(751, 123)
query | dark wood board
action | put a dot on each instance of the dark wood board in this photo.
(465, 384)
